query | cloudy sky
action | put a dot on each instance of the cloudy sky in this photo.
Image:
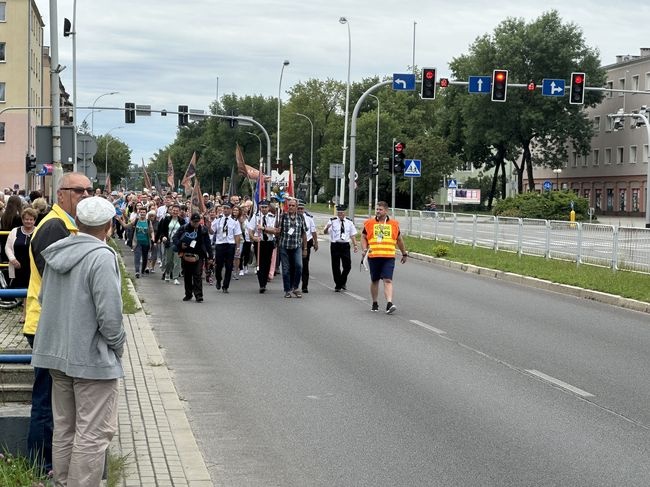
(167, 53)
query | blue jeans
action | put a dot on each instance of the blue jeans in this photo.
(291, 268)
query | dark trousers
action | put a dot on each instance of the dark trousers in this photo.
(245, 255)
(264, 264)
(41, 421)
(224, 255)
(192, 278)
(341, 263)
(291, 267)
(305, 266)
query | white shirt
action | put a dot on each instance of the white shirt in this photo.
(225, 229)
(336, 225)
(262, 220)
(311, 226)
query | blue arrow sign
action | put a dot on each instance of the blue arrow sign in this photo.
(479, 84)
(412, 168)
(452, 184)
(548, 185)
(552, 87)
(403, 81)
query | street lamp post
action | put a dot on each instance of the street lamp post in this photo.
(377, 161)
(92, 112)
(108, 141)
(277, 144)
(344, 20)
(557, 171)
(311, 158)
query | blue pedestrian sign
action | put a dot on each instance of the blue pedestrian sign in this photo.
(412, 168)
(479, 84)
(403, 81)
(552, 87)
(548, 185)
(452, 184)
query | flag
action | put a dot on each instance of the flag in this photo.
(107, 184)
(147, 181)
(197, 198)
(189, 174)
(260, 190)
(289, 194)
(156, 181)
(244, 169)
(170, 172)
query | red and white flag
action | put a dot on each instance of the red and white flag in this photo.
(186, 182)
(170, 172)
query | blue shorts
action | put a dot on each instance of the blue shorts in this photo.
(381, 268)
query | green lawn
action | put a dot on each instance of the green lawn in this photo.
(634, 285)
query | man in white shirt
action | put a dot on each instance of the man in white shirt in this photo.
(260, 228)
(226, 235)
(312, 241)
(341, 231)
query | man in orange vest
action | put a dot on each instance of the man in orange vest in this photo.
(378, 240)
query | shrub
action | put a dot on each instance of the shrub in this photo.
(550, 205)
(440, 250)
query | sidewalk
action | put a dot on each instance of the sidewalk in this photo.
(154, 434)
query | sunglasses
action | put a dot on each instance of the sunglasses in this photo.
(78, 190)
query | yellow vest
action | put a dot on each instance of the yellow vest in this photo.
(32, 306)
(382, 237)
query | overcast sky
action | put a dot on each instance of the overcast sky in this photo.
(167, 53)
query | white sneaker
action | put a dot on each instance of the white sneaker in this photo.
(246, 270)
(167, 279)
(176, 282)
(241, 273)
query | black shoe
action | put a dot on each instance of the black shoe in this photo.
(343, 288)
(390, 308)
(199, 300)
(337, 289)
(225, 290)
(137, 275)
(375, 307)
(218, 285)
(262, 290)
(146, 271)
(187, 298)
(162, 278)
(305, 290)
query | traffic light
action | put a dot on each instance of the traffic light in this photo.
(30, 162)
(375, 168)
(499, 84)
(531, 86)
(183, 117)
(577, 96)
(428, 91)
(398, 156)
(129, 113)
(444, 82)
(387, 164)
(67, 28)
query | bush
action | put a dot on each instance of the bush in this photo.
(550, 205)
(440, 250)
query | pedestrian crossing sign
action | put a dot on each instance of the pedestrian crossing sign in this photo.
(412, 168)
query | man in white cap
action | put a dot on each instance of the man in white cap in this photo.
(81, 341)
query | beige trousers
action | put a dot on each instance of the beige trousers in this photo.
(85, 420)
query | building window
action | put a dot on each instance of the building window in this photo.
(610, 199)
(621, 200)
(3, 51)
(635, 82)
(2, 91)
(587, 193)
(3, 9)
(621, 85)
(610, 86)
(596, 157)
(596, 124)
(585, 160)
(608, 155)
(2, 131)
(645, 152)
(619, 155)
(647, 81)
(635, 199)
(633, 154)
(574, 159)
(598, 195)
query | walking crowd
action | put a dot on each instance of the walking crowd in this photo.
(78, 343)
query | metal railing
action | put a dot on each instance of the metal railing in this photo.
(617, 247)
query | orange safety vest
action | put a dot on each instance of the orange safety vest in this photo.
(382, 237)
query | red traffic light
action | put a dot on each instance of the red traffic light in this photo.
(444, 82)
(532, 86)
(429, 74)
(500, 76)
(399, 147)
(578, 79)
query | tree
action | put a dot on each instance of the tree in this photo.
(527, 128)
(119, 157)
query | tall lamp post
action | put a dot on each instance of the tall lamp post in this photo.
(344, 20)
(108, 141)
(557, 171)
(92, 112)
(311, 158)
(277, 144)
(376, 161)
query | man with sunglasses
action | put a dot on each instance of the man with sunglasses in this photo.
(56, 225)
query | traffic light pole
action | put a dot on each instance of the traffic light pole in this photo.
(392, 179)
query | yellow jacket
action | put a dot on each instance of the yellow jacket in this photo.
(382, 237)
(56, 225)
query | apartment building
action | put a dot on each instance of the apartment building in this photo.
(614, 176)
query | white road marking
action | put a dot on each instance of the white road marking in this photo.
(559, 383)
(355, 296)
(428, 327)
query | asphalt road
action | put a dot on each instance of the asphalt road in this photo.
(472, 382)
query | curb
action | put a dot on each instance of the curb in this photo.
(599, 296)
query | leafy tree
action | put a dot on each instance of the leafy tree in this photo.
(528, 128)
(119, 157)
